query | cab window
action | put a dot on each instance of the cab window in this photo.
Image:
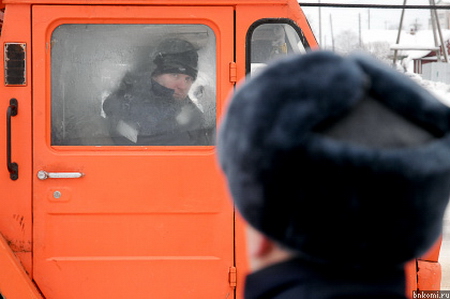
(133, 84)
(268, 40)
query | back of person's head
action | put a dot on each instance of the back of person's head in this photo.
(341, 159)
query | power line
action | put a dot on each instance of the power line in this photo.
(381, 6)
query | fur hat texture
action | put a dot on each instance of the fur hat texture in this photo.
(342, 159)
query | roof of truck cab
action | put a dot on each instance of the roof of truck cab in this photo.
(151, 2)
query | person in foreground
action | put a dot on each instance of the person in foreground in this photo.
(341, 167)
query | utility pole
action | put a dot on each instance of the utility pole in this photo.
(332, 34)
(320, 24)
(359, 30)
(399, 32)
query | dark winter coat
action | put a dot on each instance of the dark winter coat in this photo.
(297, 279)
(143, 112)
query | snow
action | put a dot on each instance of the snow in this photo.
(439, 89)
(419, 40)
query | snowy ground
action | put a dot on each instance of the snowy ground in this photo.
(439, 89)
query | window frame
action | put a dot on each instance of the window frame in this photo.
(255, 25)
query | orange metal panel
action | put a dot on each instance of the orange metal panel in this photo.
(433, 253)
(411, 277)
(143, 222)
(154, 2)
(15, 199)
(241, 255)
(14, 282)
(429, 275)
(424, 273)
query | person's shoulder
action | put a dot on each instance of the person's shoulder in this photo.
(136, 77)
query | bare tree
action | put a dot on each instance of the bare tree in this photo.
(379, 49)
(346, 42)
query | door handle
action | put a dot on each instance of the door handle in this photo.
(13, 167)
(43, 175)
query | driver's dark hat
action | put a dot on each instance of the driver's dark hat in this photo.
(176, 55)
(342, 159)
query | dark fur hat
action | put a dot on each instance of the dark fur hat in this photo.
(340, 158)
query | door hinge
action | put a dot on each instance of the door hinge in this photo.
(232, 277)
(233, 72)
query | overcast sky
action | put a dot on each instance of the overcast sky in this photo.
(336, 20)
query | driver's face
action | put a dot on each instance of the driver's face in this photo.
(180, 83)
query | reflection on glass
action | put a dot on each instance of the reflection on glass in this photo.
(133, 85)
(270, 41)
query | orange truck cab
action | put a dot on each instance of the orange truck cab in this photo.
(82, 216)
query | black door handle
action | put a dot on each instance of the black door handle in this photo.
(13, 167)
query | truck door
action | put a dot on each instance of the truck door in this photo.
(126, 219)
